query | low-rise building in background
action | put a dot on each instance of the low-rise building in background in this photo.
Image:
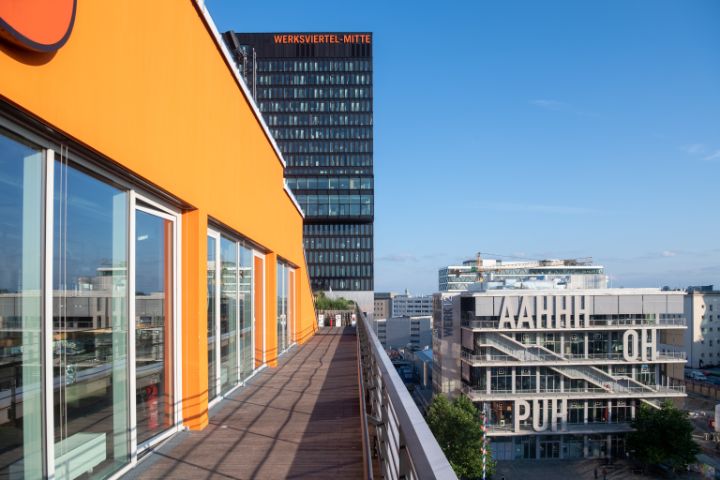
(412, 333)
(702, 337)
(383, 304)
(411, 306)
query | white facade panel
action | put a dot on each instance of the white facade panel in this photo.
(484, 307)
(628, 304)
(654, 304)
(605, 305)
(675, 304)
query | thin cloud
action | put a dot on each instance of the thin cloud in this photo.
(558, 106)
(538, 208)
(549, 104)
(398, 258)
(694, 149)
(713, 156)
(700, 150)
(668, 253)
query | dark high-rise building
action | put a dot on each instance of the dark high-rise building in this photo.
(315, 93)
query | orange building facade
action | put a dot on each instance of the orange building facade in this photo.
(151, 256)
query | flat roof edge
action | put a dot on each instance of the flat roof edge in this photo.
(215, 33)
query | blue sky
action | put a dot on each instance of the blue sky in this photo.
(535, 129)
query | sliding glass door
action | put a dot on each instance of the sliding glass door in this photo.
(285, 306)
(154, 332)
(88, 315)
(230, 313)
(90, 324)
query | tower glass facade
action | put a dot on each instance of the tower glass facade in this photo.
(315, 93)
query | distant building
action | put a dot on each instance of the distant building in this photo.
(404, 332)
(383, 305)
(559, 373)
(315, 91)
(702, 337)
(567, 273)
(446, 345)
(409, 306)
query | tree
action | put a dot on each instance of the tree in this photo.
(663, 436)
(322, 302)
(457, 427)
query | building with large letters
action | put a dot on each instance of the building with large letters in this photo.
(559, 373)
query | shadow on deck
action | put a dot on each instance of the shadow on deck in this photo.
(299, 420)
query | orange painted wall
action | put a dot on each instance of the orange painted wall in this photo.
(144, 84)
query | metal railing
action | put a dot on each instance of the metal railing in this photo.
(396, 434)
(627, 390)
(592, 323)
(569, 358)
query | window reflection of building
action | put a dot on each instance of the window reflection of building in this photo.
(233, 283)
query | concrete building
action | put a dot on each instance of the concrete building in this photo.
(409, 306)
(558, 373)
(383, 304)
(567, 273)
(702, 338)
(404, 332)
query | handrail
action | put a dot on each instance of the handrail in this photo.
(609, 323)
(627, 390)
(367, 454)
(403, 442)
(569, 358)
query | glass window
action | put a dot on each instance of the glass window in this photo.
(525, 379)
(281, 307)
(153, 324)
(21, 218)
(228, 314)
(90, 351)
(211, 310)
(245, 304)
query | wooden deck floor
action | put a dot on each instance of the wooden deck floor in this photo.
(299, 420)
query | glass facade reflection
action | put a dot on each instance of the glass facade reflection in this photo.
(211, 311)
(317, 101)
(230, 262)
(228, 314)
(285, 282)
(90, 325)
(245, 279)
(21, 218)
(153, 325)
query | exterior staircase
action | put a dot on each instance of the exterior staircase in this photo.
(535, 353)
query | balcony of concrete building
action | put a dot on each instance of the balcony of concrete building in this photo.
(334, 408)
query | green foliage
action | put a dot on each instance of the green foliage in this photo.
(663, 436)
(324, 303)
(457, 427)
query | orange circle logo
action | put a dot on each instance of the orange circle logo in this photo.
(39, 25)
